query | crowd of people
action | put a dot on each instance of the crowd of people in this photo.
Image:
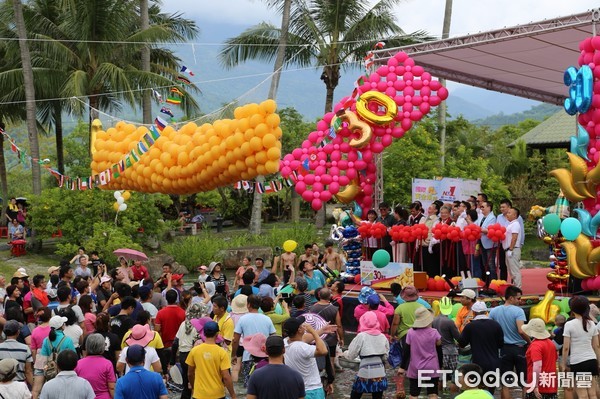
(483, 257)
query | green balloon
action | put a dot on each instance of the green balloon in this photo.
(455, 308)
(551, 223)
(381, 258)
(564, 306)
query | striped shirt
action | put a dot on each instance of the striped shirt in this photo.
(16, 350)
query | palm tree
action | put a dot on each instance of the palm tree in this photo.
(322, 33)
(29, 95)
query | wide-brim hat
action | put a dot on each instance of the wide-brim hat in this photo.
(423, 317)
(140, 335)
(240, 304)
(199, 326)
(255, 345)
(536, 328)
(365, 293)
(212, 266)
(409, 293)
(53, 269)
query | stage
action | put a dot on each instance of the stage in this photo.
(534, 287)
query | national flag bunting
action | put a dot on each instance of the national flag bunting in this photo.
(167, 111)
(160, 124)
(183, 79)
(185, 69)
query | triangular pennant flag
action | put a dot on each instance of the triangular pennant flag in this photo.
(148, 139)
(13, 147)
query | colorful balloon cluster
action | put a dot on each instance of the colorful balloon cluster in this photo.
(337, 159)
(438, 283)
(120, 198)
(496, 232)
(559, 277)
(195, 158)
(443, 231)
(353, 247)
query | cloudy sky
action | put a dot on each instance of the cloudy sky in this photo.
(469, 16)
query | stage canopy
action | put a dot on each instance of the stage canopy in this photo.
(526, 61)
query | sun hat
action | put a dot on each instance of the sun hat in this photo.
(210, 288)
(201, 325)
(212, 265)
(140, 335)
(12, 327)
(22, 270)
(255, 345)
(409, 293)
(8, 366)
(468, 294)
(369, 324)
(135, 354)
(19, 274)
(536, 328)
(446, 306)
(53, 269)
(479, 307)
(373, 300)
(365, 292)
(240, 304)
(423, 317)
(57, 322)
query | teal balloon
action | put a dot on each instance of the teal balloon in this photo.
(586, 222)
(357, 210)
(381, 258)
(570, 228)
(594, 224)
(551, 223)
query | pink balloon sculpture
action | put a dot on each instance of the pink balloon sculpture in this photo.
(336, 159)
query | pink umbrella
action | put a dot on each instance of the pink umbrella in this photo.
(130, 254)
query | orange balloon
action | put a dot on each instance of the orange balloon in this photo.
(256, 144)
(261, 157)
(272, 166)
(269, 141)
(274, 153)
(273, 120)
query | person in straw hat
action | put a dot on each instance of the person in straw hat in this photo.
(541, 358)
(420, 353)
(485, 337)
(239, 307)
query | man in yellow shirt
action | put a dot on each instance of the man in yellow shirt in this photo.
(465, 315)
(209, 365)
(223, 319)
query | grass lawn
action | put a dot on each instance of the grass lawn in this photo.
(34, 263)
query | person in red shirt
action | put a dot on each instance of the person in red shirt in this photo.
(167, 322)
(139, 271)
(337, 290)
(541, 359)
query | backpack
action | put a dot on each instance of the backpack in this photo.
(51, 369)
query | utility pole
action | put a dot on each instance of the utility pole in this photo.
(442, 107)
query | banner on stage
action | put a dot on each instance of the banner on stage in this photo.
(401, 273)
(446, 189)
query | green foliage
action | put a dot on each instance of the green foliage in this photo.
(192, 251)
(106, 237)
(76, 147)
(77, 213)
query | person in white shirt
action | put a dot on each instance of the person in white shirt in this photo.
(512, 246)
(505, 205)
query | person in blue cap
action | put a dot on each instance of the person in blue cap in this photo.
(138, 382)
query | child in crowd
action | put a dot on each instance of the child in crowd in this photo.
(470, 380)
(557, 333)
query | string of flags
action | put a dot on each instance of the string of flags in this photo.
(115, 171)
(272, 186)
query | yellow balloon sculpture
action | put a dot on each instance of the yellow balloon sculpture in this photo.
(194, 158)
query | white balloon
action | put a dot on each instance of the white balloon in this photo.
(122, 207)
(120, 200)
(117, 195)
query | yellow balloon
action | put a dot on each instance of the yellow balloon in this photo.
(126, 195)
(289, 245)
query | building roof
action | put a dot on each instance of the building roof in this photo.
(526, 60)
(554, 132)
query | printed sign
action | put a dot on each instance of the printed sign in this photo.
(401, 273)
(446, 189)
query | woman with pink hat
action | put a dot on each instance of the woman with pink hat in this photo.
(140, 335)
(372, 347)
(255, 345)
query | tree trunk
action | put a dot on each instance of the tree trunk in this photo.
(256, 216)
(29, 97)
(146, 94)
(3, 181)
(58, 131)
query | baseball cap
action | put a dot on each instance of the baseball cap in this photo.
(274, 341)
(445, 306)
(468, 293)
(211, 328)
(175, 277)
(12, 327)
(479, 307)
(290, 326)
(373, 300)
(104, 279)
(135, 354)
(52, 269)
(259, 258)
